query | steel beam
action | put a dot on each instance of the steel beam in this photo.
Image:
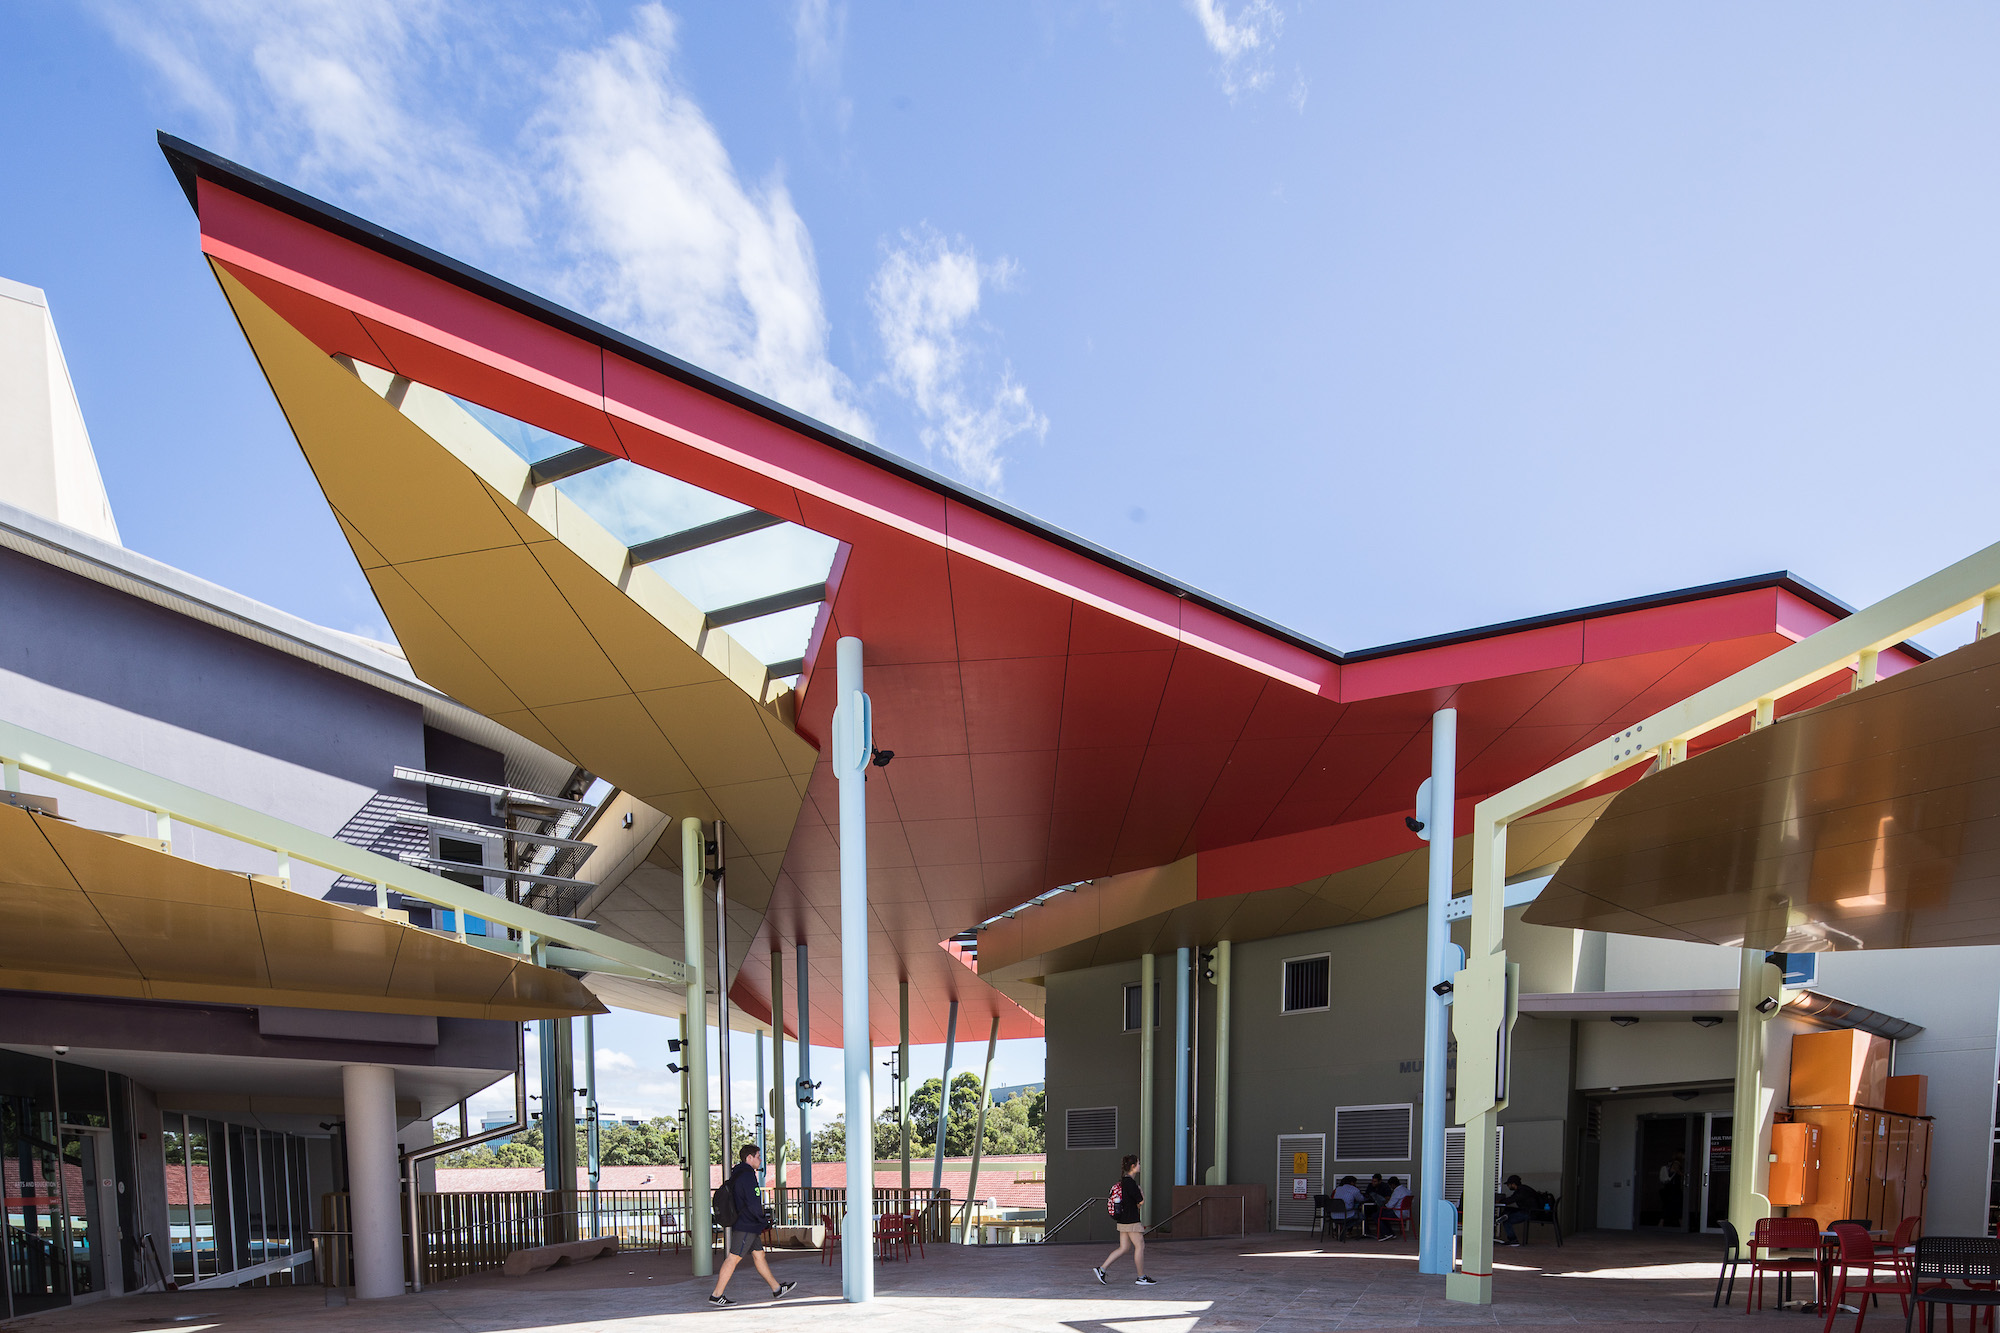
(567, 464)
(853, 747)
(701, 1243)
(944, 1096)
(706, 534)
(1437, 1220)
(1147, 1009)
(1183, 1014)
(791, 599)
(979, 1128)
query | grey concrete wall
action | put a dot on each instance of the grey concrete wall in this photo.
(148, 687)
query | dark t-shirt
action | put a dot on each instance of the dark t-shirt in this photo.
(1130, 1196)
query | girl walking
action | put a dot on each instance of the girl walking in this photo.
(1126, 1196)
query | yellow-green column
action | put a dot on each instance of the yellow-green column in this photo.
(693, 863)
(1750, 1123)
(1218, 1174)
(1481, 1018)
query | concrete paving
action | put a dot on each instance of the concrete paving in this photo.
(1596, 1284)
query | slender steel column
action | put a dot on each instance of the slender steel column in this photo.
(1218, 1174)
(373, 1188)
(559, 1120)
(979, 1129)
(726, 1150)
(944, 1097)
(903, 1078)
(758, 1118)
(778, 1072)
(1181, 1042)
(590, 1131)
(701, 1241)
(1146, 1011)
(1437, 1220)
(805, 1088)
(853, 748)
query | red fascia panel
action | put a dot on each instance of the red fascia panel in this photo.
(329, 327)
(1236, 642)
(262, 240)
(1681, 625)
(1002, 546)
(737, 481)
(1298, 858)
(1455, 663)
(999, 616)
(1796, 617)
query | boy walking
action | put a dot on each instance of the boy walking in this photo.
(1126, 1196)
(746, 1233)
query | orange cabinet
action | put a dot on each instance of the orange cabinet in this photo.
(1794, 1164)
(1839, 1068)
(1872, 1164)
(1908, 1094)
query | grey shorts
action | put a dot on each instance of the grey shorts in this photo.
(741, 1243)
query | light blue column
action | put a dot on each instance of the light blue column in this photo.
(853, 747)
(1437, 1221)
(1183, 1006)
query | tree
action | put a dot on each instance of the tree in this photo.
(830, 1140)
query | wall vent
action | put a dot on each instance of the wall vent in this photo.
(1090, 1127)
(1372, 1133)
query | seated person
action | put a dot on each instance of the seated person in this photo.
(1376, 1188)
(1398, 1192)
(1347, 1198)
(1518, 1204)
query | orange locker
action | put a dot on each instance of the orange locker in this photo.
(1840, 1068)
(1908, 1094)
(1871, 1164)
(1794, 1164)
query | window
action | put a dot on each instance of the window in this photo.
(1132, 1006)
(1372, 1133)
(1090, 1127)
(1305, 985)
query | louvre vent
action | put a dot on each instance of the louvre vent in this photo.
(1089, 1127)
(1306, 983)
(1372, 1133)
(1454, 1161)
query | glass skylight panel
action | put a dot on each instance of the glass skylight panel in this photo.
(636, 504)
(779, 637)
(532, 443)
(745, 568)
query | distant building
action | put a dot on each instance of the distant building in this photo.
(1016, 1090)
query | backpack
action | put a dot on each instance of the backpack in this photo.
(722, 1205)
(1114, 1198)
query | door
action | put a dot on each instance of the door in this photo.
(38, 1278)
(88, 1241)
(1660, 1192)
(1715, 1170)
(1301, 1164)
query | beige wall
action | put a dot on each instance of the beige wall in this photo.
(1653, 1053)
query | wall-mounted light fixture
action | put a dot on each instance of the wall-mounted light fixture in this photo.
(1624, 1020)
(1707, 1021)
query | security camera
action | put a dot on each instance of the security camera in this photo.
(1768, 1005)
(1413, 824)
(673, 1045)
(881, 758)
(676, 1069)
(1442, 988)
(62, 1050)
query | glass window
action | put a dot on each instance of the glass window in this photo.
(180, 1238)
(277, 1204)
(246, 1201)
(200, 1197)
(83, 1095)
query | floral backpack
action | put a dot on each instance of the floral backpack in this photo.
(1115, 1198)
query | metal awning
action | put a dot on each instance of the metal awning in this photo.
(1871, 822)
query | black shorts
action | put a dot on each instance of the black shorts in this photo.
(741, 1243)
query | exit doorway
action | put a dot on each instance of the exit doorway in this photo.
(1682, 1171)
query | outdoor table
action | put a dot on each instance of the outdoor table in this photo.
(1829, 1250)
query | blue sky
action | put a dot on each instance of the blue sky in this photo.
(1378, 320)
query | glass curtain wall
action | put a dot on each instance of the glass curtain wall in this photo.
(247, 1199)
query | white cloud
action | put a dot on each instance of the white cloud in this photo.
(608, 1059)
(819, 38)
(925, 297)
(1242, 42)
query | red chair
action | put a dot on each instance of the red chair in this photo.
(1397, 1217)
(894, 1235)
(915, 1235)
(830, 1245)
(1858, 1276)
(1785, 1246)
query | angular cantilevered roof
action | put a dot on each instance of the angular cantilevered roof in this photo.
(1058, 714)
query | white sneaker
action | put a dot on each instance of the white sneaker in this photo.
(1102, 1280)
(1146, 1282)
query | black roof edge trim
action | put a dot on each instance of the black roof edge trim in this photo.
(191, 163)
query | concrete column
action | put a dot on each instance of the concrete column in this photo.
(1182, 1043)
(903, 1077)
(1750, 1120)
(979, 1128)
(853, 746)
(1146, 983)
(1436, 1218)
(1218, 1174)
(779, 1091)
(700, 1241)
(1481, 1019)
(374, 1186)
(944, 1097)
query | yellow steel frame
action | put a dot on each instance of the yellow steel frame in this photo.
(579, 947)
(1483, 997)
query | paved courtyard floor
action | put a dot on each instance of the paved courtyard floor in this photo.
(1268, 1284)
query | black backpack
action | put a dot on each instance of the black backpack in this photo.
(722, 1205)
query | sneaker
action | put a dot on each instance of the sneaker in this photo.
(720, 1300)
(1102, 1280)
(783, 1287)
(1146, 1282)
(1514, 1243)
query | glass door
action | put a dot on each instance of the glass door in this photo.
(1715, 1171)
(84, 1158)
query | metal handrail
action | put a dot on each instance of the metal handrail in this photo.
(1242, 1210)
(1049, 1233)
(1188, 1208)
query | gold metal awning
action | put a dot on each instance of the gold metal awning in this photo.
(90, 913)
(1869, 822)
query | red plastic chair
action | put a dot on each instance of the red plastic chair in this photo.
(1859, 1276)
(1398, 1217)
(894, 1235)
(830, 1246)
(915, 1236)
(1785, 1246)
